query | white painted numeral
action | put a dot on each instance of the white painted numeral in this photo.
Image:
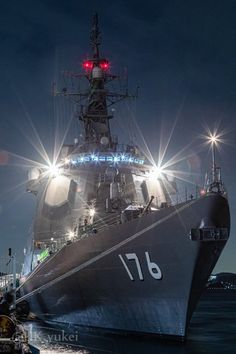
(133, 256)
(153, 268)
(126, 268)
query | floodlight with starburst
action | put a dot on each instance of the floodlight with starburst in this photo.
(213, 138)
(53, 170)
(156, 172)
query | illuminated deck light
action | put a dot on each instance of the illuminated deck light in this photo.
(70, 234)
(116, 158)
(91, 212)
(53, 170)
(156, 172)
(102, 158)
(110, 158)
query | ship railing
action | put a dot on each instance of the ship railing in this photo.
(111, 219)
(53, 245)
(114, 219)
(186, 194)
(98, 226)
(119, 148)
(83, 230)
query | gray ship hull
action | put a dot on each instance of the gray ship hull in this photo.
(142, 276)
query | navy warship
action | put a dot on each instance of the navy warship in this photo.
(110, 248)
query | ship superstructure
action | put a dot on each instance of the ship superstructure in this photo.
(110, 249)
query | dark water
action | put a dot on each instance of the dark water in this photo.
(212, 330)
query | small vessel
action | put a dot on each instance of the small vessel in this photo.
(13, 336)
(110, 249)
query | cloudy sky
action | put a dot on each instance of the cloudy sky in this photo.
(180, 53)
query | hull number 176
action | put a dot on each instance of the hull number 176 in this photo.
(153, 268)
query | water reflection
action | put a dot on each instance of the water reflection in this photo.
(52, 340)
(213, 330)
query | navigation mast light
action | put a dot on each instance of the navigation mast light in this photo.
(213, 138)
(88, 65)
(104, 65)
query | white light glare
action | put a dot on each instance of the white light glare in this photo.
(91, 212)
(70, 234)
(53, 170)
(156, 172)
(213, 138)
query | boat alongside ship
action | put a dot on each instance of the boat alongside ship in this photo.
(110, 248)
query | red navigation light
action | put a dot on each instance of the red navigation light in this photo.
(104, 65)
(87, 65)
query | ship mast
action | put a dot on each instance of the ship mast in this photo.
(95, 37)
(216, 184)
(214, 168)
(94, 102)
(95, 116)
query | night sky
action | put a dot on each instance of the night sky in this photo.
(180, 53)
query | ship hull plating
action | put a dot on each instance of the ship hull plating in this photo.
(142, 276)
